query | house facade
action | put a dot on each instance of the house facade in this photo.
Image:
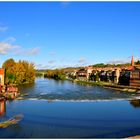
(84, 73)
(124, 75)
(81, 75)
(2, 76)
(135, 77)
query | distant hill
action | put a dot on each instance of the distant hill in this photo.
(99, 65)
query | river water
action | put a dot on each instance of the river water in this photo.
(56, 109)
(50, 89)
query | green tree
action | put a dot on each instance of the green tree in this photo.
(57, 74)
(8, 65)
(138, 62)
(99, 65)
(19, 72)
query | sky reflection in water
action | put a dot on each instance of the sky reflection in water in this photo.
(64, 119)
(66, 90)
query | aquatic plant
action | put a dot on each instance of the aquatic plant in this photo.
(13, 120)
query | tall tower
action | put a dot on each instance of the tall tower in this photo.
(132, 61)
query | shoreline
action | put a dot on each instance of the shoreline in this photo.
(134, 137)
(124, 88)
(108, 85)
(78, 100)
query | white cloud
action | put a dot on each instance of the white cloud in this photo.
(5, 48)
(117, 61)
(27, 52)
(10, 40)
(41, 66)
(82, 60)
(51, 62)
(33, 51)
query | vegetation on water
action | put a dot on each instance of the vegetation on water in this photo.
(20, 72)
(56, 74)
(13, 120)
(24, 94)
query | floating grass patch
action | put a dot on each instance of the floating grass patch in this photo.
(24, 94)
(11, 121)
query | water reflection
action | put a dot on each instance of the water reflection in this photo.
(135, 103)
(2, 106)
(24, 88)
(50, 89)
(31, 85)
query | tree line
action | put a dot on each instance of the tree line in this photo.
(57, 74)
(112, 65)
(20, 72)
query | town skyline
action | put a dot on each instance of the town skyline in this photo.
(69, 34)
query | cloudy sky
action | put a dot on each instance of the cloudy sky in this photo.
(63, 34)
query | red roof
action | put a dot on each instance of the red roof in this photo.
(131, 68)
(12, 89)
(89, 67)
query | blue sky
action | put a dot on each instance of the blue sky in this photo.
(63, 34)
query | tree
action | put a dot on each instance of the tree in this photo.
(138, 62)
(8, 65)
(19, 72)
(57, 74)
(99, 65)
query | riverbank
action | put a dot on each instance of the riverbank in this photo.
(9, 92)
(134, 137)
(114, 86)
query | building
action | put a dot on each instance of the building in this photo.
(132, 61)
(123, 75)
(81, 75)
(117, 75)
(84, 73)
(2, 76)
(134, 74)
(135, 77)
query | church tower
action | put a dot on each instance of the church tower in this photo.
(132, 61)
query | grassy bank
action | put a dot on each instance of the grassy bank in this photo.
(134, 137)
(110, 85)
(90, 83)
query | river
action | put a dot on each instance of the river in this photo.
(62, 109)
(50, 89)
